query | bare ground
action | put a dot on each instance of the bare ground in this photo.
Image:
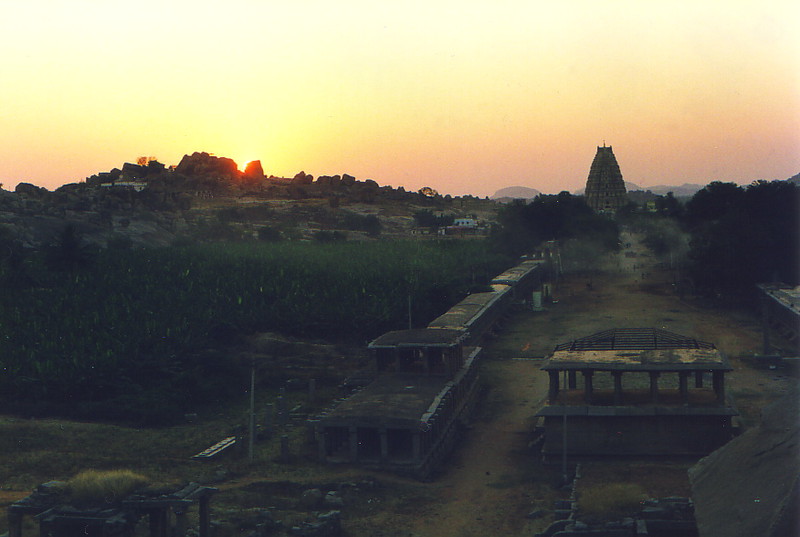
(496, 479)
(492, 482)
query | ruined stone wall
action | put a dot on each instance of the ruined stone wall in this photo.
(590, 436)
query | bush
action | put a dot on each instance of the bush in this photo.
(368, 223)
(92, 487)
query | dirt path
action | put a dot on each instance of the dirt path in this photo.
(493, 484)
(479, 495)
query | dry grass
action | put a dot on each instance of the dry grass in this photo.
(611, 501)
(97, 487)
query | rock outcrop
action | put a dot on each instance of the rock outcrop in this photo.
(253, 171)
(206, 165)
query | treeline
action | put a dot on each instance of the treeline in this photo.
(583, 234)
(726, 238)
(129, 332)
(741, 236)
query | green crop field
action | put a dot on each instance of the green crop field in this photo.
(129, 323)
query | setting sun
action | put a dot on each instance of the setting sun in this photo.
(466, 98)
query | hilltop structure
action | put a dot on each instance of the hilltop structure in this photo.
(605, 188)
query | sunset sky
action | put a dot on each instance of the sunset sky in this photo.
(464, 96)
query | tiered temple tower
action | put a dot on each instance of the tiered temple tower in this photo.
(605, 188)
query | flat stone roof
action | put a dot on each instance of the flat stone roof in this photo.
(517, 273)
(399, 400)
(422, 337)
(784, 294)
(396, 399)
(637, 349)
(466, 311)
(651, 360)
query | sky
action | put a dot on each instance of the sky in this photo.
(466, 97)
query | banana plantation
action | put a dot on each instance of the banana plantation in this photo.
(138, 326)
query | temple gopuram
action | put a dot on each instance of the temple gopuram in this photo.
(605, 188)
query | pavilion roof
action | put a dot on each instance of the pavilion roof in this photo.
(637, 349)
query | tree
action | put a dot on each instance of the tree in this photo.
(552, 217)
(669, 205)
(428, 192)
(741, 237)
(713, 202)
(67, 254)
(426, 218)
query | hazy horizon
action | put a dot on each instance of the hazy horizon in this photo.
(464, 97)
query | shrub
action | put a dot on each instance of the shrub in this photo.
(98, 487)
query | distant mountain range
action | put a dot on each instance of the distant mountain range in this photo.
(686, 190)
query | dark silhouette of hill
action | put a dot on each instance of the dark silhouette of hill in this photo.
(506, 195)
(208, 198)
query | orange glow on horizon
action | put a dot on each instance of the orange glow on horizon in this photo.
(465, 98)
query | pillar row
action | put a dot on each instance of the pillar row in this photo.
(587, 383)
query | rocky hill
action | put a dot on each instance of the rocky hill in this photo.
(206, 197)
(508, 194)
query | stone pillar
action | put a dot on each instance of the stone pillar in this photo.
(353, 444)
(587, 386)
(46, 528)
(617, 387)
(572, 380)
(282, 412)
(268, 417)
(765, 323)
(718, 381)
(322, 444)
(416, 446)
(284, 448)
(180, 522)
(384, 444)
(205, 516)
(158, 522)
(654, 386)
(311, 430)
(698, 379)
(553, 391)
(683, 386)
(14, 523)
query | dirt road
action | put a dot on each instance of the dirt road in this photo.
(495, 480)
